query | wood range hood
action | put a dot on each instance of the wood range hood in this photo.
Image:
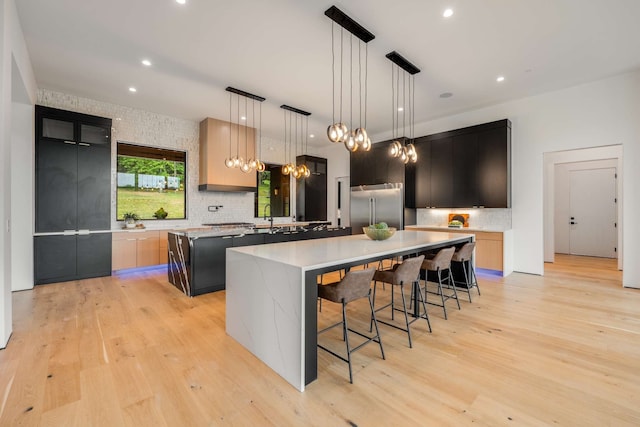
(219, 139)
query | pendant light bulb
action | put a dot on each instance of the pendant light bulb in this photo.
(228, 162)
(350, 143)
(411, 150)
(366, 145)
(245, 167)
(361, 136)
(403, 155)
(260, 166)
(307, 172)
(333, 133)
(253, 163)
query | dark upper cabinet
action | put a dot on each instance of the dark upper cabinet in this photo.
(311, 192)
(462, 168)
(375, 166)
(73, 171)
(465, 155)
(441, 172)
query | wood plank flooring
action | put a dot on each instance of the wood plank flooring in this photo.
(131, 350)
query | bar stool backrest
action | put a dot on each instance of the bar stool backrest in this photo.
(355, 285)
(408, 271)
(442, 260)
(464, 253)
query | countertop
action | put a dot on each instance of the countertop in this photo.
(248, 231)
(311, 254)
(491, 229)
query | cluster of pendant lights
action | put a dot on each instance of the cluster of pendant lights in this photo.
(247, 164)
(355, 138)
(358, 139)
(404, 90)
(298, 120)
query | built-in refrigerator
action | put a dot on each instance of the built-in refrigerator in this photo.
(371, 204)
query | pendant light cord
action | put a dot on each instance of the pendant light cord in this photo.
(366, 80)
(333, 76)
(230, 118)
(341, 56)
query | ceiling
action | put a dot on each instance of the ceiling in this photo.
(281, 50)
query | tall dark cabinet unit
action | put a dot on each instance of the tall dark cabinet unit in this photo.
(311, 193)
(375, 166)
(462, 168)
(73, 196)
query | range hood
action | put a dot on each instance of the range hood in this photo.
(215, 138)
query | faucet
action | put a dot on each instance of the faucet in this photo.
(264, 214)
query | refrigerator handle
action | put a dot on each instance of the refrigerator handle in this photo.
(373, 200)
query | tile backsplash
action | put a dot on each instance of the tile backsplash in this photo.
(477, 217)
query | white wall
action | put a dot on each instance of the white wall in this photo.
(15, 72)
(561, 198)
(591, 115)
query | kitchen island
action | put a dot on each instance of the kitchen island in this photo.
(271, 292)
(197, 258)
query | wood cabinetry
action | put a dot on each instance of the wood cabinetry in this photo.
(311, 192)
(219, 140)
(491, 249)
(72, 195)
(137, 249)
(462, 168)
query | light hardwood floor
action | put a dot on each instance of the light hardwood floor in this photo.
(131, 350)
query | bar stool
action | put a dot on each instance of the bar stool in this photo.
(463, 256)
(355, 285)
(404, 273)
(441, 262)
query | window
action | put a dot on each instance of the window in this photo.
(151, 180)
(272, 197)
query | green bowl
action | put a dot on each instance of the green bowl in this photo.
(379, 233)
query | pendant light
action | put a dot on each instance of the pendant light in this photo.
(404, 150)
(357, 138)
(237, 161)
(298, 120)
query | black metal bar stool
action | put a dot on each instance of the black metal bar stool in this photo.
(404, 273)
(355, 285)
(463, 256)
(438, 264)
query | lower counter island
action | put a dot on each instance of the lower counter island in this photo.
(197, 258)
(271, 292)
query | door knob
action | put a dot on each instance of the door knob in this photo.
(573, 223)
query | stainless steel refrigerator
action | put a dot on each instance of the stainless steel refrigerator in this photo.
(372, 204)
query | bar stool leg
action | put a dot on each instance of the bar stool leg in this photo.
(345, 329)
(423, 299)
(441, 292)
(453, 285)
(375, 322)
(406, 318)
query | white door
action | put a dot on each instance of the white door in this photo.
(593, 212)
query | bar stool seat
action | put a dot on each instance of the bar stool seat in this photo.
(355, 285)
(439, 264)
(463, 257)
(402, 274)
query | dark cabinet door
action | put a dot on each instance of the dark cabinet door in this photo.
(56, 185)
(311, 192)
(362, 167)
(94, 178)
(248, 240)
(208, 268)
(441, 173)
(55, 258)
(465, 154)
(493, 173)
(387, 169)
(422, 174)
(93, 255)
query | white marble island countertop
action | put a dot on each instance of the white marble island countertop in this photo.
(308, 254)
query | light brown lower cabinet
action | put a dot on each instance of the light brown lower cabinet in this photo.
(132, 249)
(490, 248)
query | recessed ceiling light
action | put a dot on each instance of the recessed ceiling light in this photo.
(243, 118)
(133, 89)
(400, 109)
(447, 13)
(118, 118)
(446, 95)
(500, 79)
(312, 136)
(181, 1)
(146, 62)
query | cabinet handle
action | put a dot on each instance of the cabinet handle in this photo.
(69, 232)
(84, 144)
(227, 237)
(83, 232)
(141, 238)
(70, 142)
(131, 240)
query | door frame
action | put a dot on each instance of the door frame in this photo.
(550, 159)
